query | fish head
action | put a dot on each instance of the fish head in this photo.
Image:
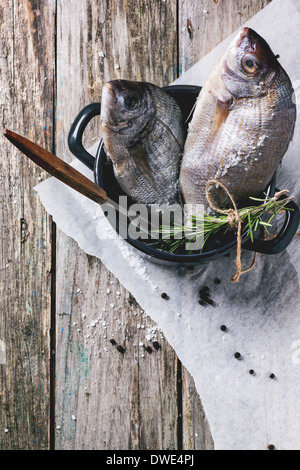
(249, 67)
(126, 117)
(126, 107)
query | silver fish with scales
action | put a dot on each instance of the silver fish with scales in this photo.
(143, 133)
(242, 125)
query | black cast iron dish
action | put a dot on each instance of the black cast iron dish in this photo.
(215, 247)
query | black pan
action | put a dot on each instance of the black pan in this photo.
(217, 246)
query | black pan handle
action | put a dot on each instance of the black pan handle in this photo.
(76, 133)
(283, 238)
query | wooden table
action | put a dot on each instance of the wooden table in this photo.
(61, 385)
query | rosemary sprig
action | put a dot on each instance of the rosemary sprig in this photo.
(199, 228)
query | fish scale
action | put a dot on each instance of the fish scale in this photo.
(241, 127)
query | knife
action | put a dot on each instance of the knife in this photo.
(57, 167)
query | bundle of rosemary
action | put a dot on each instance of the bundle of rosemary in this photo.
(201, 227)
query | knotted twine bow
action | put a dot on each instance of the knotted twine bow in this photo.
(235, 221)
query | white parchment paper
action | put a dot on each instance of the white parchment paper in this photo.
(261, 312)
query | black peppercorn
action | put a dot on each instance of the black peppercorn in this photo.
(223, 328)
(251, 371)
(272, 376)
(120, 349)
(204, 291)
(164, 295)
(112, 341)
(271, 447)
(237, 355)
(217, 281)
(156, 345)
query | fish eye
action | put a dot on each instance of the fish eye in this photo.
(131, 101)
(250, 64)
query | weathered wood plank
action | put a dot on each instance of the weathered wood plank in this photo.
(120, 401)
(115, 396)
(203, 25)
(196, 431)
(27, 69)
(96, 384)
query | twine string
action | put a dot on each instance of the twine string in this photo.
(235, 221)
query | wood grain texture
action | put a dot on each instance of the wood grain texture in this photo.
(196, 431)
(130, 399)
(27, 71)
(206, 23)
(105, 397)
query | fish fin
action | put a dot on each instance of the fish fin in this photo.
(222, 111)
(139, 155)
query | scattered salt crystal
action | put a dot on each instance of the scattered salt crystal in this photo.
(138, 326)
(101, 54)
(5, 430)
(108, 291)
(141, 344)
(73, 418)
(58, 427)
(78, 290)
(112, 305)
(116, 66)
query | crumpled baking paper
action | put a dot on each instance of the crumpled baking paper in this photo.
(261, 313)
